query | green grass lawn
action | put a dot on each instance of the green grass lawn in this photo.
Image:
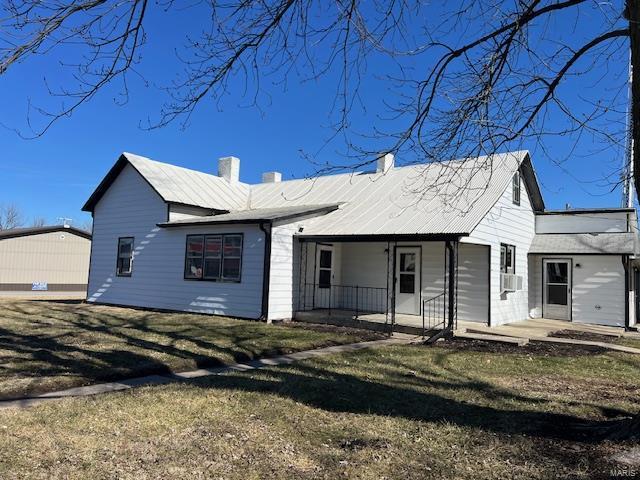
(459, 410)
(48, 346)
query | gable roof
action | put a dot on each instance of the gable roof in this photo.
(177, 185)
(25, 232)
(425, 199)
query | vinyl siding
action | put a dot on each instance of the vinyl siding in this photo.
(55, 258)
(582, 223)
(131, 208)
(181, 212)
(282, 272)
(364, 264)
(513, 225)
(597, 291)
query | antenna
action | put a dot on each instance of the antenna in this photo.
(627, 171)
(66, 222)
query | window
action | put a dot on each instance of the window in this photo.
(213, 257)
(507, 258)
(407, 273)
(124, 263)
(516, 189)
(324, 268)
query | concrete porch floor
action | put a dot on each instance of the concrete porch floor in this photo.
(530, 328)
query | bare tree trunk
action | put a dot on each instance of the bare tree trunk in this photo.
(633, 15)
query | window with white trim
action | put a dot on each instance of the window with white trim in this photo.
(214, 257)
(124, 264)
(507, 258)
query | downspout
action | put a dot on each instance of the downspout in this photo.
(266, 270)
(625, 265)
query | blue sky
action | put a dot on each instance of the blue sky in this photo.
(53, 175)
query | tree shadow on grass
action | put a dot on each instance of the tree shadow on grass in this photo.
(454, 400)
(86, 345)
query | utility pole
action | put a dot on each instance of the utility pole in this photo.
(632, 14)
(627, 171)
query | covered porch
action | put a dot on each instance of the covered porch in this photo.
(411, 285)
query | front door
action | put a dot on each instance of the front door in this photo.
(408, 280)
(324, 277)
(556, 301)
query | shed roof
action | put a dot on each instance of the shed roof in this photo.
(254, 215)
(584, 243)
(24, 232)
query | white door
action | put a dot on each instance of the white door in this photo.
(556, 292)
(408, 280)
(324, 277)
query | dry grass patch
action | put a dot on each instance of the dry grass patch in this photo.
(48, 346)
(405, 412)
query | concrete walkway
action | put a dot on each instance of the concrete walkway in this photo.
(176, 377)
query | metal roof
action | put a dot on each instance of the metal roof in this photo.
(25, 232)
(427, 199)
(178, 185)
(255, 215)
(586, 243)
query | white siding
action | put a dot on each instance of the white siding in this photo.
(181, 212)
(513, 225)
(473, 283)
(281, 272)
(131, 208)
(597, 292)
(365, 265)
(582, 223)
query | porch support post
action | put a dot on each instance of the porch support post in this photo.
(452, 254)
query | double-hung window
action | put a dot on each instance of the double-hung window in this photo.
(214, 257)
(507, 258)
(124, 264)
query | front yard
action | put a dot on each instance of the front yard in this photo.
(48, 346)
(456, 410)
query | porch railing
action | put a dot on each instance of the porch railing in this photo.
(351, 298)
(434, 313)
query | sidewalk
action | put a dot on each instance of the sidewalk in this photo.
(99, 388)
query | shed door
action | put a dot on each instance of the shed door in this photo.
(556, 302)
(408, 280)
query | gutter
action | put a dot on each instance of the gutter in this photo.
(266, 269)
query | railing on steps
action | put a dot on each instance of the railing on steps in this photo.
(434, 313)
(351, 298)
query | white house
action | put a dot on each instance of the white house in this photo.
(414, 245)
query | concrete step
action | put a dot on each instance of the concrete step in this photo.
(492, 338)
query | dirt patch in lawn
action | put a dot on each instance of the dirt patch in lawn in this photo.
(533, 348)
(586, 336)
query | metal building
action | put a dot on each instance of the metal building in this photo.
(48, 262)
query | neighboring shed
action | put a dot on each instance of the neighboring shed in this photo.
(51, 261)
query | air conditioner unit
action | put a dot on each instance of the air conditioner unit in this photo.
(510, 282)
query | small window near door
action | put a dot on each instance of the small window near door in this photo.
(407, 273)
(324, 269)
(124, 264)
(516, 189)
(507, 258)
